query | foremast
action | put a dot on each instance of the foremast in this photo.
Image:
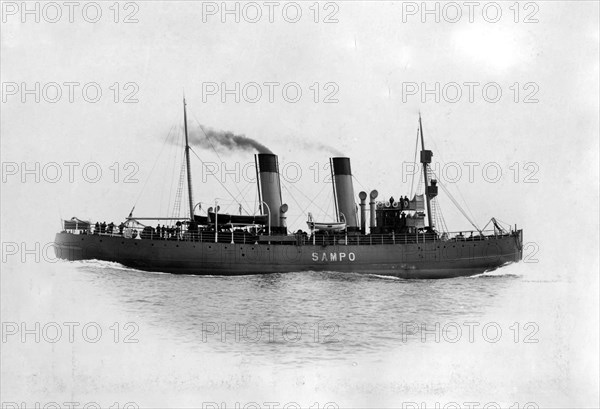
(187, 162)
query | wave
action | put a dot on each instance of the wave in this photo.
(385, 277)
(112, 265)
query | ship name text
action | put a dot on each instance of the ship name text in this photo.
(333, 256)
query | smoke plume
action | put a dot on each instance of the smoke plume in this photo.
(322, 147)
(224, 141)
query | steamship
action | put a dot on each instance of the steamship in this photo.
(401, 239)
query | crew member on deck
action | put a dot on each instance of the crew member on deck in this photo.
(158, 231)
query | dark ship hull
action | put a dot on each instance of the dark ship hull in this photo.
(430, 259)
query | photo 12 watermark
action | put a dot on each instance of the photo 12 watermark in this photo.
(268, 405)
(252, 92)
(69, 92)
(470, 11)
(56, 12)
(270, 332)
(69, 332)
(69, 172)
(469, 331)
(68, 405)
(467, 405)
(470, 92)
(254, 12)
(475, 172)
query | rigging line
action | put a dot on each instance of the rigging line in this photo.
(303, 211)
(172, 159)
(295, 201)
(443, 219)
(504, 223)
(439, 215)
(174, 162)
(240, 200)
(162, 181)
(178, 193)
(221, 183)
(458, 205)
(312, 201)
(358, 181)
(412, 184)
(212, 146)
(154, 165)
(457, 187)
(330, 205)
(243, 198)
(249, 203)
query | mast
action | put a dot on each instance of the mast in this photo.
(425, 159)
(187, 162)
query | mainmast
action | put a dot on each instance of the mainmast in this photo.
(187, 162)
(430, 191)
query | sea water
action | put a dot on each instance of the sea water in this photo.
(95, 332)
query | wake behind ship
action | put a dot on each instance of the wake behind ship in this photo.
(401, 238)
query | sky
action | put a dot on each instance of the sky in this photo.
(508, 96)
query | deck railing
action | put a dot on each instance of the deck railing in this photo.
(244, 237)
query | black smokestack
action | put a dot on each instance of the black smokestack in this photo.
(344, 191)
(270, 191)
(224, 141)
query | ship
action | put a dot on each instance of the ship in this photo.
(397, 238)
